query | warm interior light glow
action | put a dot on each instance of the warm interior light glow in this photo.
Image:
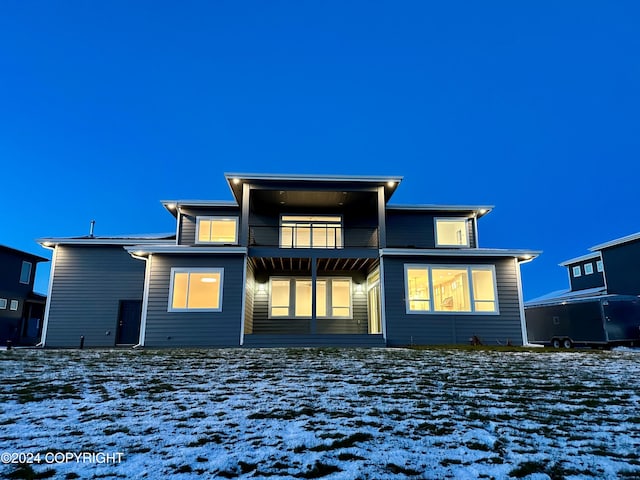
(208, 280)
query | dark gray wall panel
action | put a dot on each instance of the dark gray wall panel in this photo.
(187, 230)
(433, 329)
(596, 279)
(622, 268)
(88, 284)
(194, 329)
(414, 229)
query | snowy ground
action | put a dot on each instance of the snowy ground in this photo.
(335, 414)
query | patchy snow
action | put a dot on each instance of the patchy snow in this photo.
(335, 414)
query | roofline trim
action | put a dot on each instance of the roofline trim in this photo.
(462, 252)
(50, 242)
(589, 256)
(311, 177)
(144, 249)
(31, 256)
(443, 208)
(617, 241)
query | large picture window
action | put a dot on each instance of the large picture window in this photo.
(444, 288)
(217, 230)
(451, 232)
(304, 231)
(196, 289)
(292, 297)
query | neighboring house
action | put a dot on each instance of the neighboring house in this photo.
(584, 313)
(21, 310)
(294, 260)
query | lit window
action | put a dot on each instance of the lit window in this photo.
(576, 271)
(461, 289)
(13, 305)
(25, 272)
(3, 303)
(320, 231)
(292, 297)
(196, 289)
(451, 232)
(588, 268)
(217, 230)
(599, 266)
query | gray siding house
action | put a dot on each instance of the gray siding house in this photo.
(292, 260)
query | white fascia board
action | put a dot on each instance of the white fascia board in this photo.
(49, 242)
(460, 252)
(200, 203)
(479, 210)
(144, 249)
(590, 256)
(316, 178)
(617, 241)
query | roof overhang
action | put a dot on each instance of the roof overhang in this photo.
(583, 258)
(520, 255)
(341, 182)
(618, 241)
(98, 241)
(173, 206)
(471, 210)
(22, 253)
(144, 250)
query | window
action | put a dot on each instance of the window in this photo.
(3, 303)
(217, 230)
(576, 271)
(196, 289)
(13, 305)
(292, 298)
(588, 268)
(599, 266)
(460, 289)
(451, 232)
(319, 231)
(25, 272)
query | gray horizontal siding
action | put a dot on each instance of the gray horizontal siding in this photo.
(434, 329)
(187, 219)
(194, 329)
(417, 229)
(88, 284)
(250, 287)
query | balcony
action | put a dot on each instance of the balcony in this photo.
(313, 236)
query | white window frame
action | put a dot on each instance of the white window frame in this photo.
(24, 262)
(339, 224)
(212, 270)
(436, 220)
(469, 268)
(329, 299)
(576, 271)
(599, 266)
(13, 305)
(588, 268)
(3, 303)
(214, 218)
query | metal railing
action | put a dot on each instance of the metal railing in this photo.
(325, 236)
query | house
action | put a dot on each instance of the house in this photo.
(21, 310)
(292, 260)
(601, 305)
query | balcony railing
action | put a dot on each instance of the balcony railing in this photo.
(313, 236)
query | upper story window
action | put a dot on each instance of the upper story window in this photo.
(217, 230)
(599, 266)
(577, 272)
(196, 289)
(311, 231)
(451, 232)
(588, 268)
(25, 272)
(3, 303)
(14, 305)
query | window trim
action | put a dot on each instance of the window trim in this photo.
(329, 299)
(599, 266)
(24, 262)
(213, 218)
(451, 219)
(212, 270)
(13, 305)
(3, 303)
(472, 300)
(590, 267)
(579, 271)
(341, 224)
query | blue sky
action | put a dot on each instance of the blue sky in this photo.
(108, 107)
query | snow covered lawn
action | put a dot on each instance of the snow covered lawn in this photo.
(335, 414)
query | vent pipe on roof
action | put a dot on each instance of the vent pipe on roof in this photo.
(93, 226)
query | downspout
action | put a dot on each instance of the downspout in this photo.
(47, 308)
(145, 299)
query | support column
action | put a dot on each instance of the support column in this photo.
(244, 217)
(382, 227)
(314, 276)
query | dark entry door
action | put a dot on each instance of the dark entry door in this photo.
(129, 322)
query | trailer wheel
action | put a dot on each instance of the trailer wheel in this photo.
(566, 343)
(555, 342)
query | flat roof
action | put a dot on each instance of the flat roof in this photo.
(173, 205)
(479, 210)
(617, 241)
(522, 255)
(161, 238)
